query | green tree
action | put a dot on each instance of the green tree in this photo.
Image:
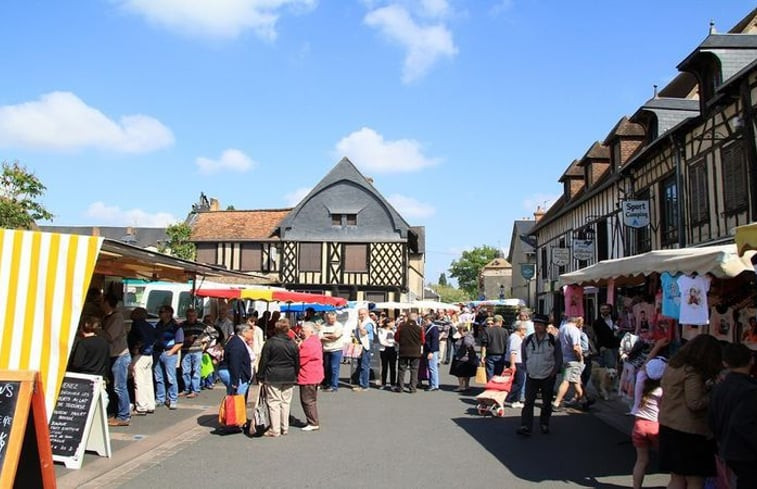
(468, 267)
(450, 294)
(178, 243)
(443, 279)
(19, 191)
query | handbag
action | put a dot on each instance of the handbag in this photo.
(481, 375)
(261, 418)
(233, 411)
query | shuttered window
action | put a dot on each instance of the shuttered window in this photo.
(252, 257)
(735, 192)
(356, 258)
(669, 210)
(698, 195)
(544, 265)
(309, 257)
(206, 253)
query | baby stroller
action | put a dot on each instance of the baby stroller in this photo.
(492, 400)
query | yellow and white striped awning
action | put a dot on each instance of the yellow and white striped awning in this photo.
(44, 278)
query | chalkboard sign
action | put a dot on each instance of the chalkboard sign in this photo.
(9, 392)
(70, 415)
(25, 456)
(79, 421)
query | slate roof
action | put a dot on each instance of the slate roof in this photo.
(574, 170)
(521, 231)
(669, 112)
(734, 51)
(139, 237)
(249, 225)
(497, 263)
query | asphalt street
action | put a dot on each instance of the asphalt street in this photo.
(368, 439)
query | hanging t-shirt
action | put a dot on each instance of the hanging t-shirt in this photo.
(574, 301)
(722, 326)
(694, 309)
(748, 320)
(644, 316)
(671, 295)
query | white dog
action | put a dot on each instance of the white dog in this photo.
(603, 380)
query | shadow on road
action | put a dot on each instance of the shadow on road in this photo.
(580, 449)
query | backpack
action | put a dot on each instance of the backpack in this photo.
(550, 337)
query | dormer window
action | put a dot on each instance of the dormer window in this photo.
(340, 219)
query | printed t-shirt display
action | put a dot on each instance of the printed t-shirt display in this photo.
(671, 295)
(574, 301)
(722, 325)
(694, 308)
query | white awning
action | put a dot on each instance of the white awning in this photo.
(720, 261)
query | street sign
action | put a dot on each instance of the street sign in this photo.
(560, 256)
(636, 213)
(583, 249)
(527, 270)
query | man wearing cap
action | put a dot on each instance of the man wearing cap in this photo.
(542, 358)
(493, 346)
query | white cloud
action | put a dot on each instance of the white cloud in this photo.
(369, 151)
(539, 200)
(424, 44)
(111, 215)
(502, 6)
(295, 197)
(62, 121)
(435, 8)
(230, 160)
(408, 207)
(218, 18)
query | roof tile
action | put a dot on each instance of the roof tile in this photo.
(237, 225)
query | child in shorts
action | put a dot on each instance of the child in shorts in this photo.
(646, 428)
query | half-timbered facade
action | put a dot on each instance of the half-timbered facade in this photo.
(343, 239)
(689, 152)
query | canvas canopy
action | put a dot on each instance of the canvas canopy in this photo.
(746, 238)
(720, 261)
(270, 295)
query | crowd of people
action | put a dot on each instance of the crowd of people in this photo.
(697, 407)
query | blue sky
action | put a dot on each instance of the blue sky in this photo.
(465, 113)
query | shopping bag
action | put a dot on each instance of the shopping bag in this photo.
(481, 375)
(260, 416)
(233, 411)
(206, 367)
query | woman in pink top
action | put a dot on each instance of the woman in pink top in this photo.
(310, 375)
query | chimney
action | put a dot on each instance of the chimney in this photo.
(130, 231)
(370, 180)
(539, 213)
(95, 231)
(215, 206)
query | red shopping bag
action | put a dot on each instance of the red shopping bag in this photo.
(233, 411)
(502, 382)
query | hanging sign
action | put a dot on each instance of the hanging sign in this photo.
(636, 213)
(25, 457)
(527, 270)
(80, 420)
(560, 256)
(583, 249)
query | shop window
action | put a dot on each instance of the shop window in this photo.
(356, 258)
(375, 296)
(698, 196)
(669, 211)
(735, 191)
(544, 263)
(309, 258)
(642, 237)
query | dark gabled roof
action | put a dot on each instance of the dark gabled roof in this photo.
(597, 151)
(346, 170)
(669, 112)
(420, 237)
(729, 41)
(521, 231)
(250, 225)
(625, 129)
(671, 103)
(573, 171)
(135, 236)
(734, 51)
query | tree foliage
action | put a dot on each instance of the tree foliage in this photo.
(443, 280)
(178, 243)
(19, 191)
(467, 268)
(450, 294)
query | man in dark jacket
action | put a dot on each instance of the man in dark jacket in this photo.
(431, 350)
(733, 416)
(236, 368)
(606, 341)
(494, 346)
(409, 338)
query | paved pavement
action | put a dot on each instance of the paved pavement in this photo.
(369, 439)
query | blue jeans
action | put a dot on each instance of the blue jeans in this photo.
(165, 373)
(365, 368)
(120, 370)
(450, 352)
(494, 365)
(433, 370)
(332, 361)
(190, 371)
(519, 383)
(225, 377)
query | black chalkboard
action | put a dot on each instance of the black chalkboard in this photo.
(8, 396)
(69, 418)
